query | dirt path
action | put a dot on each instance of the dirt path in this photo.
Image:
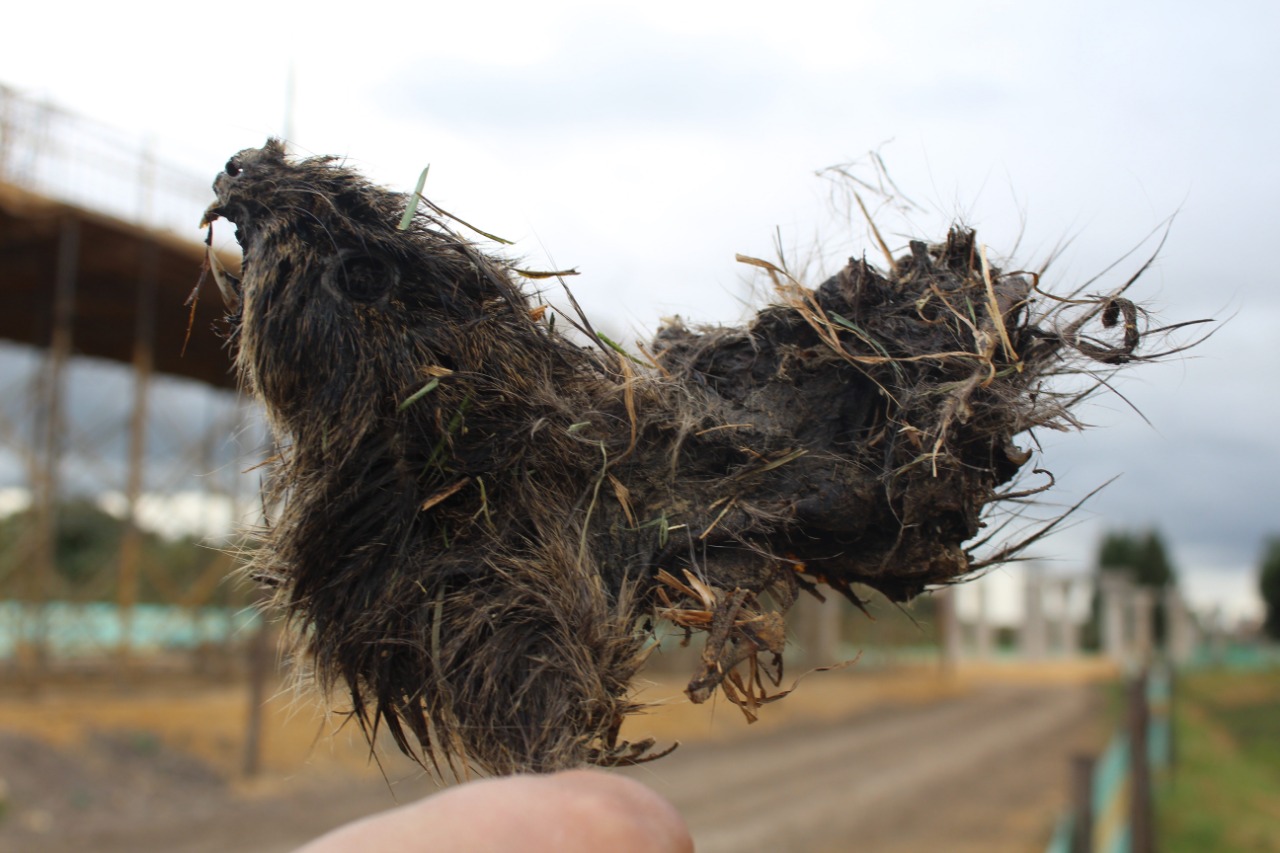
(979, 770)
(984, 771)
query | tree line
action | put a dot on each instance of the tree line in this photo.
(87, 558)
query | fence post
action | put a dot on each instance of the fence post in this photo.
(1082, 765)
(259, 660)
(1140, 819)
(1171, 673)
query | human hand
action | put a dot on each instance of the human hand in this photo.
(577, 810)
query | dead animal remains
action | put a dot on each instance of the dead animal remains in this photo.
(477, 520)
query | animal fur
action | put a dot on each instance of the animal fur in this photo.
(476, 519)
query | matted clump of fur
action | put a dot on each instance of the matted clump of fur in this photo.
(477, 519)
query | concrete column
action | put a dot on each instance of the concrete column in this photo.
(948, 617)
(1179, 635)
(1217, 629)
(1034, 636)
(818, 629)
(1144, 624)
(1115, 590)
(1068, 626)
(984, 636)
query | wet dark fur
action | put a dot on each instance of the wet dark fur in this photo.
(475, 517)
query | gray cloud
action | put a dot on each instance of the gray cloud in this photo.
(609, 73)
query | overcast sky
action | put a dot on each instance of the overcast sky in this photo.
(646, 146)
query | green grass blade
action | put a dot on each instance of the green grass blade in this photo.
(412, 207)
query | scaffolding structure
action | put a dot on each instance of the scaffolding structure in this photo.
(124, 443)
(60, 155)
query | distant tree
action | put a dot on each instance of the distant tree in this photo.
(1142, 556)
(86, 542)
(87, 558)
(1270, 588)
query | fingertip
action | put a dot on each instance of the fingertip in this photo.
(641, 816)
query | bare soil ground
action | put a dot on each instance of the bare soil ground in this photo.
(886, 761)
(982, 771)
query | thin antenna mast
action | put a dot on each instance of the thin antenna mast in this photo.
(290, 103)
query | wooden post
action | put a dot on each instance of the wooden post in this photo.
(260, 667)
(1172, 675)
(1142, 830)
(260, 658)
(49, 438)
(131, 541)
(1082, 765)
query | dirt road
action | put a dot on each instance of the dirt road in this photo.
(981, 770)
(985, 771)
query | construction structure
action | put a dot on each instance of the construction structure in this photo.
(116, 401)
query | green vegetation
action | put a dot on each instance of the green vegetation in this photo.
(1224, 792)
(1142, 556)
(1145, 559)
(87, 559)
(1270, 588)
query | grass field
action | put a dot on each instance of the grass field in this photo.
(1224, 792)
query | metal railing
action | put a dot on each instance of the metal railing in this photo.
(47, 150)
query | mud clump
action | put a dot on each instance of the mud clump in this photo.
(475, 520)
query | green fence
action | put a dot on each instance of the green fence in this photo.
(1111, 793)
(70, 630)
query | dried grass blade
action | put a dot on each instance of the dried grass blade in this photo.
(884, 247)
(537, 274)
(440, 210)
(993, 308)
(444, 494)
(713, 524)
(624, 498)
